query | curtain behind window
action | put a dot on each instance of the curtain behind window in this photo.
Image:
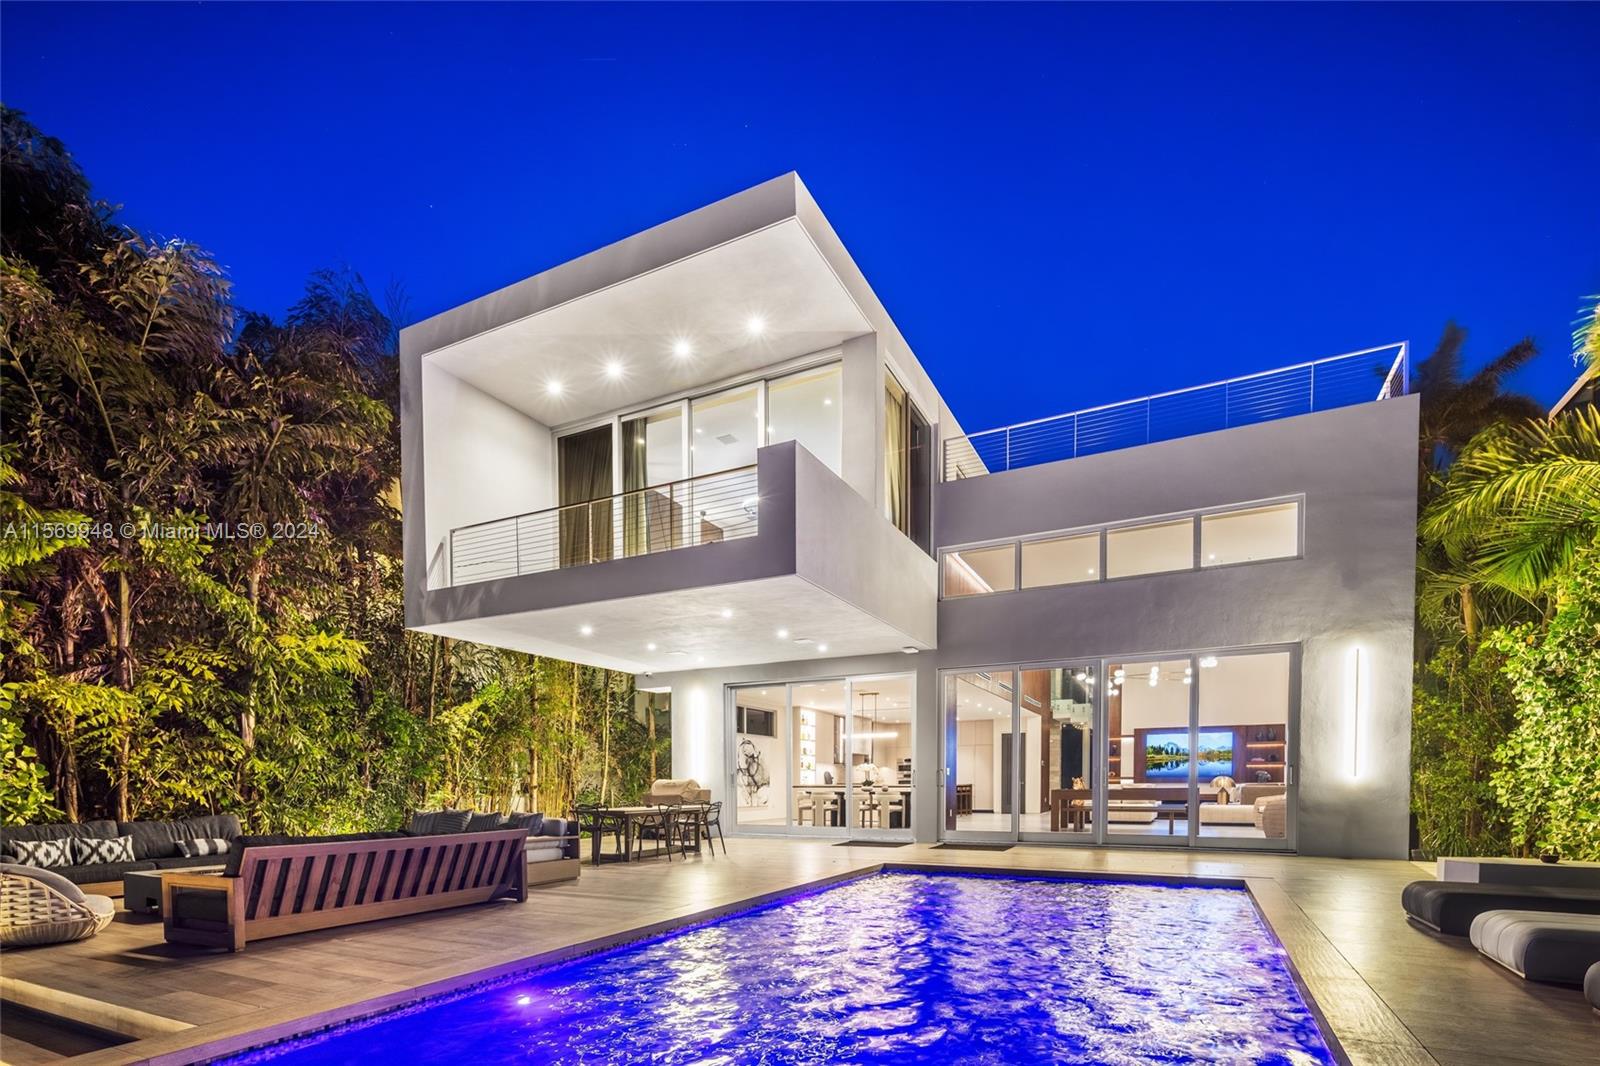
(894, 454)
(584, 475)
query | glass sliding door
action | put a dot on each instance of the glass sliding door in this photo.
(883, 710)
(761, 767)
(1243, 744)
(653, 457)
(979, 775)
(1150, 770)
(819, 757)
(807, 407)
(1069, 779)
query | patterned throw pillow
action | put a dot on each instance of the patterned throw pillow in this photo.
(203, 846)
(531, 822)
(43, 853)
(95, 851)
(485, 823)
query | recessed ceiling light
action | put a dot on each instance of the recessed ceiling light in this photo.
(586, 630)
(783, 634)
(727, 612)
(650, 647)
(614, 370)
(822, 647)
(755, 325)
(827, 401)
(908, 650)
(681, 348)
(552, 388)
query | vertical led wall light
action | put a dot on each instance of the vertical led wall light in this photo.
(1357, 698)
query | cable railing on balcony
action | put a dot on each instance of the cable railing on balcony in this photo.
(681, 514)
(1319, 385)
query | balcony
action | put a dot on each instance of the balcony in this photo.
(762, 564)
(709, 509)
(1319, 385)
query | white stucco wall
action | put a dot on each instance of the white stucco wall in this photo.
(482, 460)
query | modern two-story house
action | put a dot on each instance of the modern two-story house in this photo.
(705, 455)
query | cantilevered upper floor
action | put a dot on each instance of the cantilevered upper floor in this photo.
(704, 444)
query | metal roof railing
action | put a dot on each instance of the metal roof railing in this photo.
(1319, 385)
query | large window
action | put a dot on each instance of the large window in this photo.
(976, 571)
(1150, 549)
(805, 407)
(1249, 535)
(907, 465)
(1061, 561)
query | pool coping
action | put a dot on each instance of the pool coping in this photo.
(260, 1029)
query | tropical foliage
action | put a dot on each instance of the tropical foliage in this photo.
(200, 592)
(1506, 752)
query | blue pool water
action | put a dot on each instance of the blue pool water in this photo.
(894, 968)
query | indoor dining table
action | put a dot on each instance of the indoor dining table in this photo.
(870, 791)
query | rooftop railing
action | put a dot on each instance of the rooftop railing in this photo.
(1320, 385)
(680, 514)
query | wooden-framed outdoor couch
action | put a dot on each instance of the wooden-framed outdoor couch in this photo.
(274, 886)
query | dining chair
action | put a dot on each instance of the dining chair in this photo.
(657, 826)
(599, 822)
(710, 816)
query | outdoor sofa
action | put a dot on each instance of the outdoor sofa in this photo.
(1450, 906)
(89, 847)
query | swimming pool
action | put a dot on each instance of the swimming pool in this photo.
(897, 967)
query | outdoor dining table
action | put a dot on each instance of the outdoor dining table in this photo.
(631, 817)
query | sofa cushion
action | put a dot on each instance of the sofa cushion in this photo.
(531, 821)
(485, 823)
(207, 846)
(159, 840)
(438, 823)
(1539, 945)
(1450, 906)
(1591, 986)
(182, 862)
(101, 828)
(90, 851)
(95, 873)
(45, 854)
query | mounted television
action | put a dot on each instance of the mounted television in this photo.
(1166, 754)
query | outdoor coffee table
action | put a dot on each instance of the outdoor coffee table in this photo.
(141, 889)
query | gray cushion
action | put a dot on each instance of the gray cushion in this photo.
(1538, 944)
(532, 822)
(1591, 986)
(438, 823)
(485, 823)
(89, 851)
(159, 840)
(104, 871)
(185, 863)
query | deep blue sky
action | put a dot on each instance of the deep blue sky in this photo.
(1059, 205)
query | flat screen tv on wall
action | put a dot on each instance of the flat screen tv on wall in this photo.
(1166, 755)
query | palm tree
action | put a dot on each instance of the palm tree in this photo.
(1521, 503)
(1456, 409)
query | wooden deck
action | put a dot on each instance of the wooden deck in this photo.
(1390, 993)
